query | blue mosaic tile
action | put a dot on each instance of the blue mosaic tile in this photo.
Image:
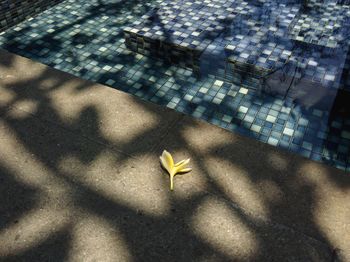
(61, 37)
(14, 11)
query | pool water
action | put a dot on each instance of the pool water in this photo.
(89, 39)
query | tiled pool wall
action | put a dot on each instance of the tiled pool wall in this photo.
(86, 38)
(264, 43)
(13, 12)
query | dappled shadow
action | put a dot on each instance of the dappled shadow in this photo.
(67, 47)
(51, 138)
(141, 232)
(55, 249)
(166, 238)
(16, 198)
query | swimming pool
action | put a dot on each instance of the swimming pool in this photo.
(208, 59)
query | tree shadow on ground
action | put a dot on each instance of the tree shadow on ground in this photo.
(169, 236)
(55, 249)
(149, 90)
(11, 208)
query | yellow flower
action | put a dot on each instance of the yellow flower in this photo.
(168, 164)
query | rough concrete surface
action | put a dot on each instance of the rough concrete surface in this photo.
(80, 180)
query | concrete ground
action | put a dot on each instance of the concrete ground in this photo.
(80, 180)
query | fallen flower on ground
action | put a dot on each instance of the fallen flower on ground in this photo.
(167, 162)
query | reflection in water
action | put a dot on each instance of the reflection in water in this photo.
(267, 69)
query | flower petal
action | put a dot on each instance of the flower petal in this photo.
(164, 164)
(184, 170)
(182, 165)
(185, 161)
(167, 161)
(168, 158)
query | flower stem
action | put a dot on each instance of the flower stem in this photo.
(171, 182)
